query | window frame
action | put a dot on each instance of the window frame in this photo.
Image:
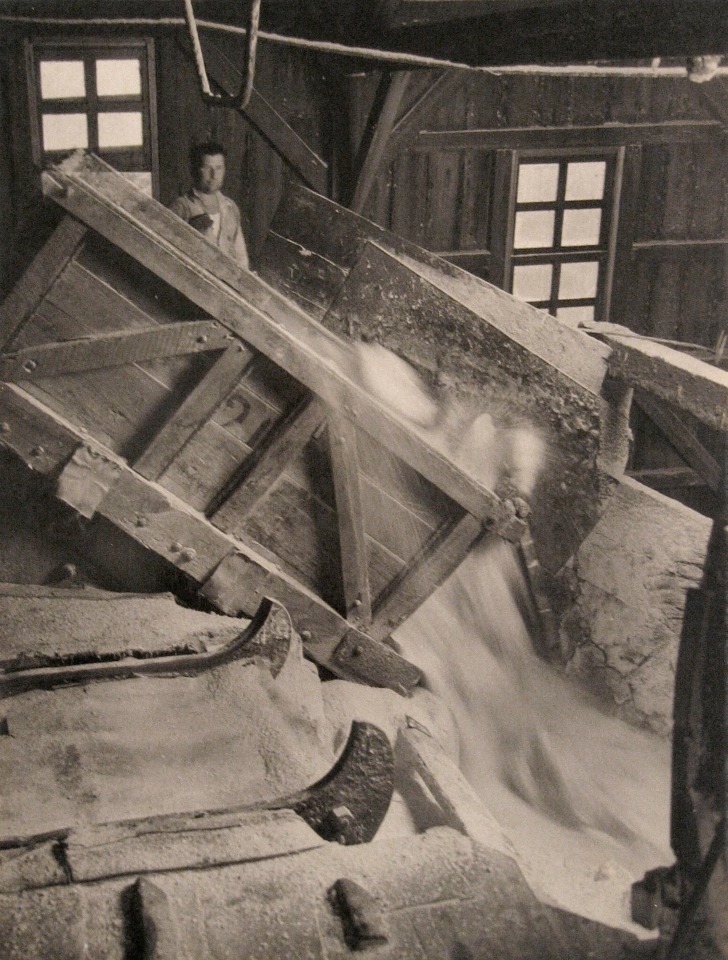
(89, 49)
(605, 252)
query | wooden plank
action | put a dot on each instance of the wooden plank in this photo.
(350, 518)
(249, 488)
(668, 478)
(178, 254)
(624, 228)
(675, 250)
(562, 138)
(377, 148)
(682, 380)
(683, 439)
(40, 276)
(100, 351)
(442, 554)
(171, 530)
(194, 411)
(505, 175)
(294, 150)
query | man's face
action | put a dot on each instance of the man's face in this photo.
(211, 173)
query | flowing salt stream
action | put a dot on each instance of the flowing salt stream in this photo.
(583, 797)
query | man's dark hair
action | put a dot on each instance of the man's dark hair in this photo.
(210, 148)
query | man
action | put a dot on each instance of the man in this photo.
(207, 209)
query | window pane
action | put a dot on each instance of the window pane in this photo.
(537, 182)
(585, 180)
(60, 79)
(64, 131)
(578, 280)
(581, 228)
(118, 78)
(122, 129)
(532, 281)
(575, 315)
(534, 228)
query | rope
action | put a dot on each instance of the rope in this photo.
(197, 49)
(323, 46)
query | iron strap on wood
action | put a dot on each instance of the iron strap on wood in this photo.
(99, 351)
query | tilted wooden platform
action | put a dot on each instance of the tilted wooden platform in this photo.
(218, 420)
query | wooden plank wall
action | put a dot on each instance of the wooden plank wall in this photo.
(289, 80)
(442, 198)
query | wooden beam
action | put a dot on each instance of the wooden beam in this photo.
(668, 478)
(680, 379)
(40, 276)
(171, 530)
(377, 148)
(505, 174)
(677, 250)
(437, 559)
(172, 250)
(623, 228)
(112, 350)
(683, 439)
(294, 150)
(430, 96)
(251, 486)
(194, 411)
(557, 138)
(350, 517)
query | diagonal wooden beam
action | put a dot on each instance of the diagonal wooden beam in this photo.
(350, 518)
(247, 306)
(377, 149)
(112, 350)
(292, 148)
(233, 576)
(256, 480)
(194, 411)
(683, 439)
(40, 276)
(437, 559)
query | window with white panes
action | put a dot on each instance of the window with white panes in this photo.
(97, 96)
(562, 225)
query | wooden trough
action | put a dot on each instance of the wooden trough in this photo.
(215, 416)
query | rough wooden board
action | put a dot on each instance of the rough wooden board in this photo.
(118, 849)
(119, 404)
(680, 379)
(170, 529)
(178, 254)
(101, 351)
(350, 520)
(39, 277)
(313, 243)
(196, 408)
(562, 138)
(437, 559)
(269, 461)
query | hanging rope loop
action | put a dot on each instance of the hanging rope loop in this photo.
(240, 100)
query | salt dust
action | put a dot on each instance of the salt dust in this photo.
(583, 797)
